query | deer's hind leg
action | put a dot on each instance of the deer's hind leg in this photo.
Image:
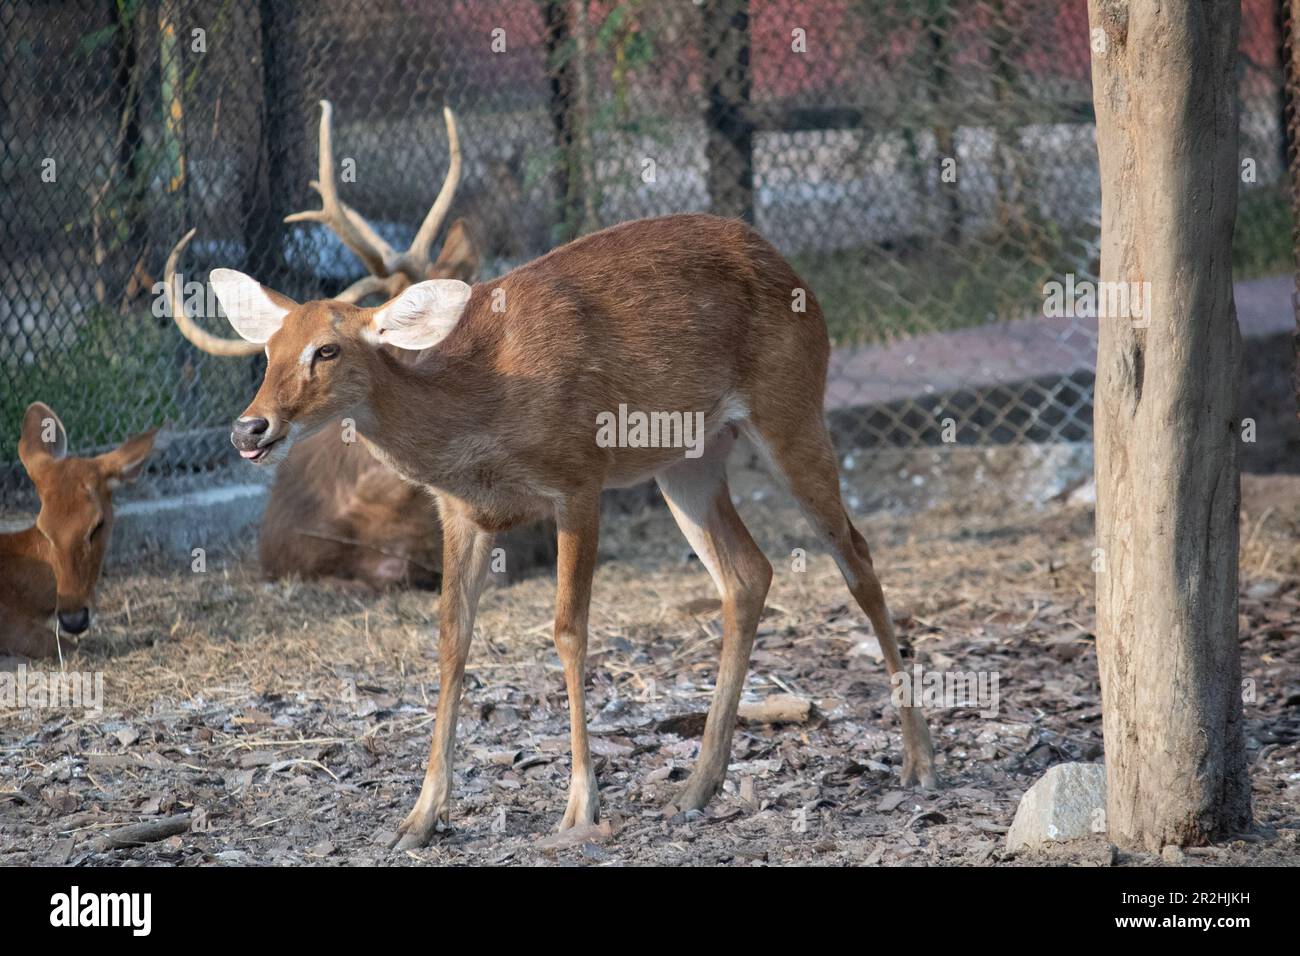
(697, 493)
(804, 459)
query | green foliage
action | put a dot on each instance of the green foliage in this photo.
(98, 39)
(1261, 243)
(117, 375)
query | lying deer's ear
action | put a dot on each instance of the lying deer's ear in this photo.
(126, 461)
(43, 437)
(421, 316)
(254, 311)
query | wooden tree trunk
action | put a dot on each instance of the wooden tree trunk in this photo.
(1166, 429)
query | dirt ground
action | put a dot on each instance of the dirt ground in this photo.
(291, 721)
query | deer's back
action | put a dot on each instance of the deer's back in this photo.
(687, 307)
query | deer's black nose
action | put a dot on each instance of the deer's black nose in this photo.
(74, 622)
(246, 432)
(251, 426)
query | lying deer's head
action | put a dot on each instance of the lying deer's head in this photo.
(76, 505)
(323, 357)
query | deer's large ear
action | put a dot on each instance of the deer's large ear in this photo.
(421, 316)
(254, 311)
(43, 438)
(126, 461)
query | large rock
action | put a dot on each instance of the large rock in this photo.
(1067, 803)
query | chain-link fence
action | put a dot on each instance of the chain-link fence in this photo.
(928, 165)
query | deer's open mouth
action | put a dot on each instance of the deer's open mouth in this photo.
(258, 454)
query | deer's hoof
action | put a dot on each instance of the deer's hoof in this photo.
(583, 808)
(694, 795)
(416, 831)
(920, 773)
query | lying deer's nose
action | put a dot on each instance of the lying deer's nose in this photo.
(74, 622)
(246, 431)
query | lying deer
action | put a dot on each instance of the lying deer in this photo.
(52, 567)
(334, 510)
(500, 418)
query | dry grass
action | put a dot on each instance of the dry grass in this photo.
(294, 717)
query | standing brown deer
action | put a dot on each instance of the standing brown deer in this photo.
(334, 510)
(52, 567)
(504, 417)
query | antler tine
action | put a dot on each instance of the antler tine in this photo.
(205, 341)
(350, 227)
(387, 286)
(417, 256)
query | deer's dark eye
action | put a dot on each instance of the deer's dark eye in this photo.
(327, 352)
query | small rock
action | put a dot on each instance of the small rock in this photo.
(1173, 855)
(1067, 803)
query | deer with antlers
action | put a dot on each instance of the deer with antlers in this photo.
(51, 568)
(335, 511)
(504, 414)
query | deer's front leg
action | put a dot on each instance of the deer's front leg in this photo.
(465, 553)
(578, 523)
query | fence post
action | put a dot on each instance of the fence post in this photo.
(566, 53)
(279, 173)
(730, 147)
(938, 27)
(1289, 32)
(128, 83)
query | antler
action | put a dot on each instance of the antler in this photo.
(206, 341)
(390, 271)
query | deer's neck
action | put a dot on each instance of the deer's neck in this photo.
(422, 421)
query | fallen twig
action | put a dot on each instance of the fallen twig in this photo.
(138, 834)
